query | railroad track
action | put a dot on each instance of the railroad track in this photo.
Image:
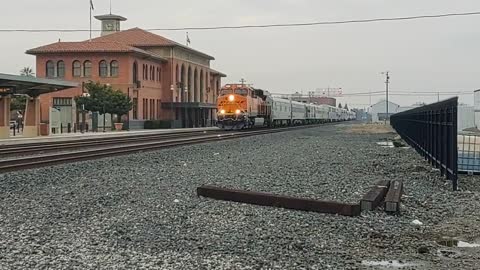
(16, 164)
(33, 148)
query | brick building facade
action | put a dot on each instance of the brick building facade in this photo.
(166, 80)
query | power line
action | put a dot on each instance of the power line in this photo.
(266, 25)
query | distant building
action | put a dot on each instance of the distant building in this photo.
(379, 110)
(361, 115)
(466, 117)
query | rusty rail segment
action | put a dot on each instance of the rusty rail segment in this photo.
(375, 196)
(394, 197)
(432, 131)
(267, 199)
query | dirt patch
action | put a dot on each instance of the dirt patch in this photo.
(371, 129)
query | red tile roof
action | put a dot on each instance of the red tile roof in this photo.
(140, 38)
(82, 47)
(89, 47)
(136, 37)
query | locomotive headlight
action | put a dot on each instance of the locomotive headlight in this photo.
(231, 98)
(222, 112)
(238, 112)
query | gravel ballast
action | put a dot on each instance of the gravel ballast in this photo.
(141, 211)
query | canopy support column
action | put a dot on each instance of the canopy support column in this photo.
(32, 118)
(5, 117)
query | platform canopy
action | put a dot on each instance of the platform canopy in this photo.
(31, 86)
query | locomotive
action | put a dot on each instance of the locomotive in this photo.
(241, 106)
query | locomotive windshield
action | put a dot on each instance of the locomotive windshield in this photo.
(242, 92)
(225, 92)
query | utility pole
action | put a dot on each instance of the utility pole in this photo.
(370, 98)
(387, 82)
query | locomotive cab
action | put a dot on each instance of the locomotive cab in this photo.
(239, 106)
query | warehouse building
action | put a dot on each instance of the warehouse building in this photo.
(378, 111)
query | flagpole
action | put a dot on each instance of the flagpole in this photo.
(90, 8)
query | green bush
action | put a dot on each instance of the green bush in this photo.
(157, 124)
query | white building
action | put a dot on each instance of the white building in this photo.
(379, 110)
(466, 117)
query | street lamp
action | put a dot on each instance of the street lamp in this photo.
(85, 95)
(128, 114)
(186, 112)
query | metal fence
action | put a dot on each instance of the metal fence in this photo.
(432, 131)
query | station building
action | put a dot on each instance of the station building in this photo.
(166, 80)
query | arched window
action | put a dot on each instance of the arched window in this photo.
(103, 69)
(87, 69)
(152, 75)
(177, 74)
(76, 69)
(135, 72)
(114, 68)
(144, 72)
(61, 69)
(50, 69)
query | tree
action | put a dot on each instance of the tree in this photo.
(346, 107)
(27, 71)
(120, 104)
(98, 98)
(340, 105)
(18, 103)
(103, 99)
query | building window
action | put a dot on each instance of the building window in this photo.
(135, 108)
(87, 69)
(61, 69)
(144, 75)
(76, 69)
(144, 116)
(103, 69)
(152, 109)
(62, 102)
(135, 73)
(50, 69)
(114, 68)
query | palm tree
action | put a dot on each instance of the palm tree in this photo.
(27, 71)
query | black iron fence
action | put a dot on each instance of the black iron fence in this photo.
(432, 131)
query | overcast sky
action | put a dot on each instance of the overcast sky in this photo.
(424, 55)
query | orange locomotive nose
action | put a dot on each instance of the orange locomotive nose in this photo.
(231, 104)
